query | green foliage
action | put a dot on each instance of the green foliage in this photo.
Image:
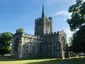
(20, 30)
(77, 24)
(79, 40)
(7, 36)
(5, 40)
(77, 19)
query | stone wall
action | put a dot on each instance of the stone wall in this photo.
(50, 50)
(56, 44)
(51, 45)
(28, 45)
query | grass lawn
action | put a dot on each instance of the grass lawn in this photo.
(9, 60)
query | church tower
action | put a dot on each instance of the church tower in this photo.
(43, 25)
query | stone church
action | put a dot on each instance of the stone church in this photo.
(44, 42)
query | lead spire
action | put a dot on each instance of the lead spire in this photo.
(43, 13)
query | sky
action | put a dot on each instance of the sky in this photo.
(16, 14)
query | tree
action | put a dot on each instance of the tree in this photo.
(5, 41)
(77, 25)
(20, 30)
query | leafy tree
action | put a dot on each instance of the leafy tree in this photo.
(5, 41)
(77, 24)
(20, 30)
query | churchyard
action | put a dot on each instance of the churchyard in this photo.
(45, 42)
(9, 60)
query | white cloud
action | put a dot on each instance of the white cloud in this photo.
(63, 13)
(68, 32)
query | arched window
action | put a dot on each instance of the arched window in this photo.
(58, 45)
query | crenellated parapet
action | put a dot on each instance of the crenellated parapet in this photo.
(62, 33)
(55, 33)
(50, 18)
(51, 34)
(26, 35)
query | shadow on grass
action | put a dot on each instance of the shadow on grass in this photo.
(9, 58)
(54, 61)
(60, 61)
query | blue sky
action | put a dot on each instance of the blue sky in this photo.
(16, 14)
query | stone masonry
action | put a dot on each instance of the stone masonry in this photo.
(45, 42)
